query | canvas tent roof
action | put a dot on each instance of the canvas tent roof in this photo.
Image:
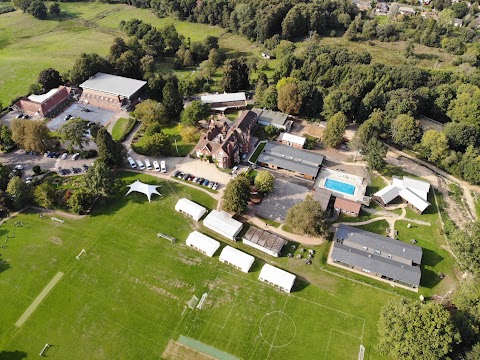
(237, 258)
(277, 276)
(222, 223)
(113, 84)
(191, 208)
(203, 242)
(143, 188)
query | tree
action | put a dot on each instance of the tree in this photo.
(54, 9)
(235, 75)
(334, 130)
(151, 112)
(6, 141)
(236, 195)
(110, 152)
(189, 134)
(466, 106)
(434, 146)
(154, 43)
(406, 132)
(376, 154)
(337, 101)
(19, 192)
(289, 99)
(31, 135)
(24, 5)
(462, 135)
(75, 132)
(37, 170)
(409, 51)
(127, 65)
(466, 245)
(416, 331)
(270, 98)
(371, 128)
(467, 303)
(50, 78)
(80, 200)
(307, 217)
(38, 9)
(99, 179)
(5, 171)
(86, 66)
(157, 144)
(172, 38)
(264, 181)
(172, 99)
(44, 195)
(197, 111)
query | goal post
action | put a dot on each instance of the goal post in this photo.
(44, 349)
(361, 353)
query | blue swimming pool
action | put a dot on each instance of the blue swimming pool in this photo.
(340, 186)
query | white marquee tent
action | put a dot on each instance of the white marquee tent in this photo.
(277, 277)
(143, 188)
(222, 223)
(236, 258)
(190, 208)
(202, 243)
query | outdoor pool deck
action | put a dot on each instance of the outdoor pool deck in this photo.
(343, 185)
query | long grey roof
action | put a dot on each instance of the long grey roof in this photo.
(380, 243)
(113, 84)
(271, 117)
(380, 265)
(290, 158)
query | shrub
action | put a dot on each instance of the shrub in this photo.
(37, 170)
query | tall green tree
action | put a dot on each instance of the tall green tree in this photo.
(264, 181)
(75, 132)
(235, 75)
(335, 129)
(86, 66)
(236, 195)
(111, 152)
(151, 112)
(31, 135)
(172, 99)
(307, 217)
(99, 179)
(462, 135)
(406, 132)
(6, 141)
(5, 171)
(413, 331)
(44, 195)
(54, 9)
(197, 111)
(375, 154)
(80, 200)
(289, 99)
(19, 192)
(434, 146)
(466, 106)
(157, 144)
(50, 78)
(466, 245)
(38, 9)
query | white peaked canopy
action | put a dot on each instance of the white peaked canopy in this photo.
(143, 188)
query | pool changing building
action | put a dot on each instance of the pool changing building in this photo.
(222, 223)
(236, 258)
(277, 277)
(202, 243)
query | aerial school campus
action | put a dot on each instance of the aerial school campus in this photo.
(144, 253)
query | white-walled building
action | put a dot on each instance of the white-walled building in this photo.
(202, 243)
(236, 258)
(222, 223)
(277, 277)
(190, 208)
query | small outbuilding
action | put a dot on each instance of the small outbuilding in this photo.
(190, 208)
(292, 140)
(236, 258)
(202, 243)
(222, 223)
(277, 277)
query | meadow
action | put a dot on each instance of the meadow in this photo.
(126, 296)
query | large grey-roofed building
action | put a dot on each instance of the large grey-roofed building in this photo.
(113, 85)
(389, 259)
(275, 118)
(297, 162)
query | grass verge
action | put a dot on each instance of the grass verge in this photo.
(122, 128)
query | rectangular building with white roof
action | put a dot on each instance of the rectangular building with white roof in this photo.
(190, 208)
(202, 243)
(222, 223)
(236, 258)
(277, 277)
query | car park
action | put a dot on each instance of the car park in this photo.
(75, 156)
(156, 166)
(163, 166)
(148, 165)
(132, 163)
(64, 156)
(140, 164)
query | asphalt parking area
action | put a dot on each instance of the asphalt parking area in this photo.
(95, 114)
(276, 204)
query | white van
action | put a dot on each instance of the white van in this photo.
(148, 165)
(132, 163)
(140, 164)
(163, 166)
(156, 166)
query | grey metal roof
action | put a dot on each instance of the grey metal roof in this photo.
(322, 196)
(112, 84)
(271, 117)
(380, 243)
(389, 268)
(288, 164)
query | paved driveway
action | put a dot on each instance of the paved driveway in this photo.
(204, 169)
(95, 114)
(276, 204)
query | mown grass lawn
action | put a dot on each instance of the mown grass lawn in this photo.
(126, 297)
(122, 128)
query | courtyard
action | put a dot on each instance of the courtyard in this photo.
(83, 111)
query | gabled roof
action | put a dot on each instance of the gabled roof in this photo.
(277, 276)
(237, 258)
(143, 188)
(113, 84)
(203, 242)
(223, 98)
(41, 98)
(271, 117)
(419, 187)
(414, 191)
(348, 205)
(223, 223)
(414, 199)
(388, 193)
(193, 209)
(300, 140)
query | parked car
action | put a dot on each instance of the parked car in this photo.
(55, 154)
(75, 171)
(63, 172)
(64, 156)
(200, 180)
(234, 169)
(132, 163)
(215, 186)
(18, 167)
(84, 110)
(75, 156)
(206, 182)
(163, 166)
(68, 117)
(85, 167)
(140, 164)
(28, 180)
(148, 165)
(19, 116)
(26, 116)
(186, 176)
(176, 173)
(195, 179)
(156, 166)
(210, 185)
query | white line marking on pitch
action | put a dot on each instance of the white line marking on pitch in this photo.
(39, 299)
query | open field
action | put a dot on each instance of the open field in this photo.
(126, 296)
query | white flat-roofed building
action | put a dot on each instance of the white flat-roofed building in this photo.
(292, 140)
(223, 102)
(202, 243)
(190, 208)
(222, 223)
(236, 258)
(277, 277)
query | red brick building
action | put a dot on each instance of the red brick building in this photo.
(46, 104)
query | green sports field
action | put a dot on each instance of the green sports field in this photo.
(126, 297)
